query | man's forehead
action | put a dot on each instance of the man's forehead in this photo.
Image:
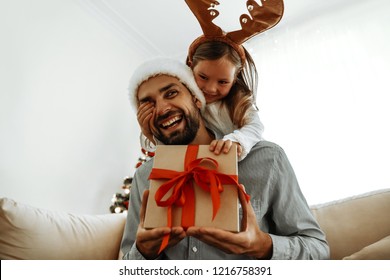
(162, 77)
(158, 83)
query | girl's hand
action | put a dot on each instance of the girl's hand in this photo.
(224, 146)
(144, 117)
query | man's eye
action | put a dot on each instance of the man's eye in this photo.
(145, 101)
(171, 93)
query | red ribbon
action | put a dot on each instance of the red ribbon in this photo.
(181, 184)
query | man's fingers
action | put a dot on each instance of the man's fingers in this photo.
(143, 207)
(244, 206)
(228, 242)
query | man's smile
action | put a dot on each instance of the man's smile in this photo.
(171, 122)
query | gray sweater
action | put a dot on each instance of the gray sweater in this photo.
(279, 205)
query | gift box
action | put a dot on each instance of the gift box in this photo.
(193, 187)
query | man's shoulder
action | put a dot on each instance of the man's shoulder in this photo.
(264, 151)
(267, 145)
(261, 163)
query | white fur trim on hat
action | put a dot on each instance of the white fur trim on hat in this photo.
(168, 67)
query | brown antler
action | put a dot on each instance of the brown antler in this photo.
(263, 17)
(205, 13)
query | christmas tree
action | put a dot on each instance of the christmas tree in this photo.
(120, 201)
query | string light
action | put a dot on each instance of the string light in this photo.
(120, 201)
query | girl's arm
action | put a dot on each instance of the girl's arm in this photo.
(248, 135)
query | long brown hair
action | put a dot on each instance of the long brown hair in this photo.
(242, 95)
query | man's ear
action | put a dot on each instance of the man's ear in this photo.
(188, 62)
(197, 102)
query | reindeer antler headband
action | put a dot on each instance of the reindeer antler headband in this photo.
(262, 17)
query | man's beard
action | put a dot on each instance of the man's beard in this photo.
(184, 137)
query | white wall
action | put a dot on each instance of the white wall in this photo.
(323, 94)
(68, 135)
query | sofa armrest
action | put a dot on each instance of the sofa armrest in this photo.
(31, 233)
(379, 250)
(353, 223)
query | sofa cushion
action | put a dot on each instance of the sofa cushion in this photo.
(31, 233)
(378, 251)
(353, 223)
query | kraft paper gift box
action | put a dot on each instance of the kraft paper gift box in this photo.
(172, 157)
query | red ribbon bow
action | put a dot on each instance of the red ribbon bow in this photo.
(181, 184)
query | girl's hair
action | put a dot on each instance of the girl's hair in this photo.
(242, 95)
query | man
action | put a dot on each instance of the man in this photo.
(279, 222)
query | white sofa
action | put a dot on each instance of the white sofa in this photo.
(31, 233)
(356, 228)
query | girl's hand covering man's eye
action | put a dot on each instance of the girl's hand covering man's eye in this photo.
(144, 117)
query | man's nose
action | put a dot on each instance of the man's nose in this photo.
(162, 106)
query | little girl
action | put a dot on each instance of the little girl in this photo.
(228, 83)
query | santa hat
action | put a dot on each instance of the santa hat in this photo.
(164, 66)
